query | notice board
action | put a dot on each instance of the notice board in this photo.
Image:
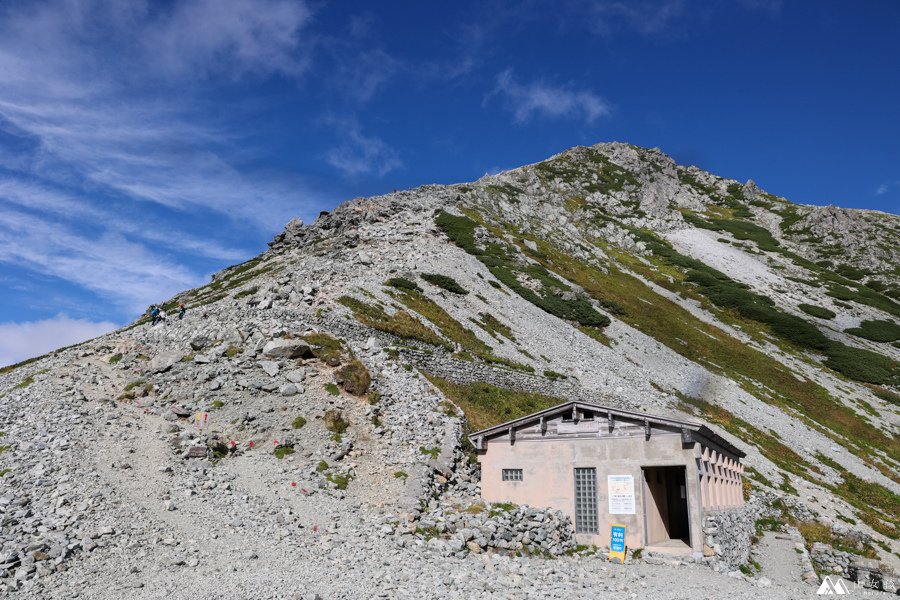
(620, 491)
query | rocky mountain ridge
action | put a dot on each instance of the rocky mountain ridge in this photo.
(339, 369)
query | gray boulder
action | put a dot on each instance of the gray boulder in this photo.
(282, 348)
(164, 360)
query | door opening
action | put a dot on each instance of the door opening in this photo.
(666, 505)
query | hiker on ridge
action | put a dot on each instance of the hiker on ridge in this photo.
(154, 314)
(181, 311)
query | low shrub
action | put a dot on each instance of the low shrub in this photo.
(332, 389)
(282, 451)
(485, 405)
(432, 452)
(817, 311)
(115, 358)
(335, 422)
(401, 283)
(862, 365)
(876, 330)
(400, 324)
(340, 480)
(813, 531)
(354, 377)
(444, 282)
(298, 423)
(326, 348)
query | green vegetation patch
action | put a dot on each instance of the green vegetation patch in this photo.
(814, 531)
(758, 373)
(11, 368)
(400, 324)
(326, 348)
(354, 377)
(453, 329)
(887, 396)
(298, 422)
(486, 405)
(878, 507)
(282, 451)
(445, 282)
(554, 296)
(335, 421)
(332, 389)
(742, 230)
(769, 446)
(817, 311)
(115, 358)
(24, 383)
(493, 326)
(130, 386)
(592, 170)
(401, 283)
(877, 331)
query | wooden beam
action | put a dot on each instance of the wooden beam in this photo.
(512, 435)
(611, 419)
(543, 424)
(646, 429)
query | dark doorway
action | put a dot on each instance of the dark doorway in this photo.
(666, 505)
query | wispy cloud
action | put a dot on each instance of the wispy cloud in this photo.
(123, 272)
(539, 98)
(105, 116)
(34, 338)
(885, 187)
(358, 154)
(643, 16)
(94, 102)
(237, 37)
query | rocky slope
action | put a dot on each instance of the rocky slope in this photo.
(340, 368)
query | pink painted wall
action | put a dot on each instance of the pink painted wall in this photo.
(548, 477)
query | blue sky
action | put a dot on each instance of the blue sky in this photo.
(145, 145)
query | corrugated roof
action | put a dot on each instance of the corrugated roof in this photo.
(699, 428)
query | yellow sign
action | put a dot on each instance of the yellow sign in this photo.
(617, 543)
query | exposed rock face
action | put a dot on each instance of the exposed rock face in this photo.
(244, 448)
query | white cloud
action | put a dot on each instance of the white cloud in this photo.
(885, 187)
(644, 16)
(109, 101)
(73, 80)
(238, 37)
(124, 272)
(47, 201)
(542, 99)
(19, 341)
(359, 154)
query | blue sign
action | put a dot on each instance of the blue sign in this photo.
(617, 539)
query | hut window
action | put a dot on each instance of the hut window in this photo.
(512, 474)
(588, 415)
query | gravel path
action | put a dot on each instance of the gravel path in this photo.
(780, 563)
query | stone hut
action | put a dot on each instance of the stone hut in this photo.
(603, 466)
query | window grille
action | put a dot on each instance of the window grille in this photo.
(586, 500)
(512, 474)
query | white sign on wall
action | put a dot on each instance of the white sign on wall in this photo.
(620, 490)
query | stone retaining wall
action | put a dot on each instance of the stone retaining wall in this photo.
(501, 528)
(728, 535)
